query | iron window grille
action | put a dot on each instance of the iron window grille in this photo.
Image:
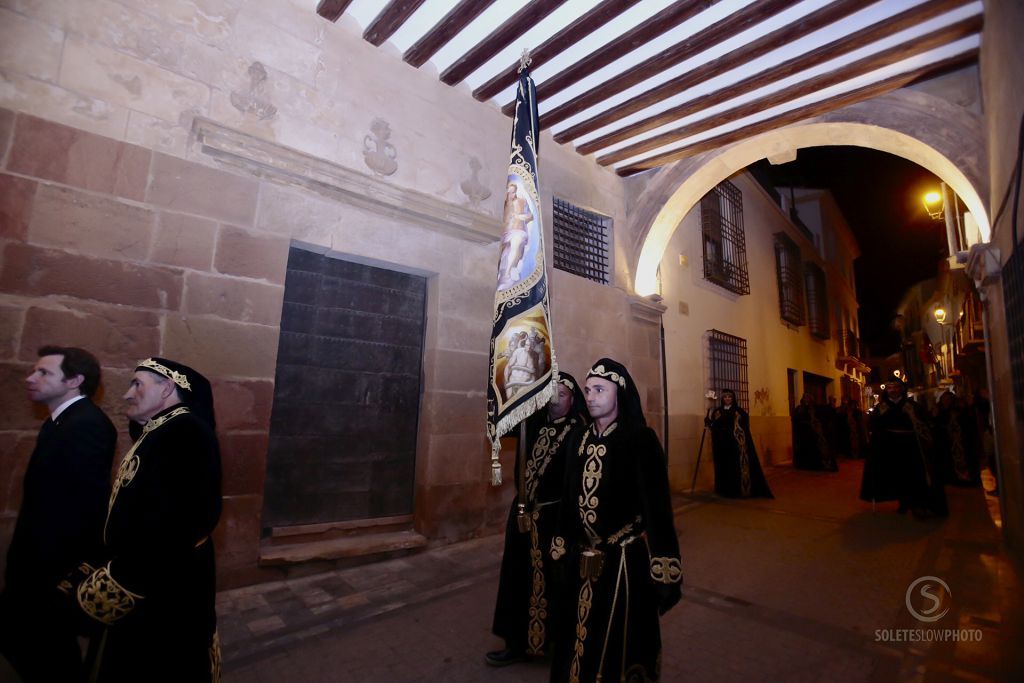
(725, 250)
(789, 271)
(1013, 296)
(817, 301)
(727, 365)
(581, 241)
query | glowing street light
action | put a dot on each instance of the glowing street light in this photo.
(933, 205)
(940, 315)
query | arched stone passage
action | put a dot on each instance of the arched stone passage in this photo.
(929, 131)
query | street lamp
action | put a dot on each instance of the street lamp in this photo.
(933, 205)
(947, 355)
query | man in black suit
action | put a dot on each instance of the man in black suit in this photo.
(63, 509)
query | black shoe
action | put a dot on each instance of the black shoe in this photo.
(505, 657)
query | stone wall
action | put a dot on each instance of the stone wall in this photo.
(129, 253)
(1002, 58)
(157, 160)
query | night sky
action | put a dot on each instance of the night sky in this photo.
(881, 197)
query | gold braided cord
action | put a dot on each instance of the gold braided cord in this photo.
(178, 378)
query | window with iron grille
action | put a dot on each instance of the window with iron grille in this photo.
(817, 300)
(1013, 296)
(725, 249)
(789, 271)
(727, 365)
(581, 241)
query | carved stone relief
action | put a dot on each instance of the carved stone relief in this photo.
(473, 188)
(252, 101)
(379, 154)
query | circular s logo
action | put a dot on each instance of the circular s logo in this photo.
(934, 600)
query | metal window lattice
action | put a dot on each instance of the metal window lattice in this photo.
(817, 301)
(789, 272)
(1013, 298)
(727, 365)
(581, 241)
(725, 248)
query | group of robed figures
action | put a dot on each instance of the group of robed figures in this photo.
(591, 554)
(913, 454)
(128, 565)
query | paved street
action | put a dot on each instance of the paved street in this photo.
(791, 589)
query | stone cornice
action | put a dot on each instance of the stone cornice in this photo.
(645, 309)
(281, 164)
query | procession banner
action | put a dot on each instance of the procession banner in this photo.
(522, 357)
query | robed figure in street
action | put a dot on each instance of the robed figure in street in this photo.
(154, 593)
(900, 464)
(738, 472)
(811, 449)
(956, 442)
(617, 540)
(529, 596)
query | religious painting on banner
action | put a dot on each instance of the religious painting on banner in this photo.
(522, 357)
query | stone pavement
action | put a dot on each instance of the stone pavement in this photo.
(800, 588)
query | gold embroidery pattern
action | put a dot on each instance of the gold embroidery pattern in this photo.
(215, 659)
(600, 371)
(588, 500)
(549, 440)
(584, 604)
(557, 548)
(666, 569)
(129, 466)
(536, 635)
(178, 378)
(65, 586)
(741, 443)
(621, 533)
(104, 599)
(538, 461)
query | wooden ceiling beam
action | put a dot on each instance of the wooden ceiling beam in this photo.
(897, 53)
(597, 17)
(795, 31)
(518, 24)
(331, 10)
(722, 30)
(837, 48)
(390, 20)
(459, 18)
(663, 21)
(797, 115)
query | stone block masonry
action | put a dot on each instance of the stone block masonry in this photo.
(130, 253)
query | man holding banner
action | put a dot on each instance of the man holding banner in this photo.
(522, 378)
